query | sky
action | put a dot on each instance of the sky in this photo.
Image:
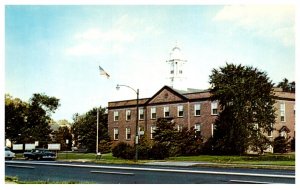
(56, 49)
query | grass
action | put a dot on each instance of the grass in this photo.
(267, 159)
(15, 180)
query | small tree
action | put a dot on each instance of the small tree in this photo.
(166, 135)
(84, 129)
(281, 144)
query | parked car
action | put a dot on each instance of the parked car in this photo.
(39, 154)
(9, 155)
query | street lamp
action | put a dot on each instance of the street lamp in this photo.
(137, 118)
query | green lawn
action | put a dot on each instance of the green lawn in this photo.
(268, 159)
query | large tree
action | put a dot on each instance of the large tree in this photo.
(84, 129)
(245, 97)
(15, 119)
(29, 122)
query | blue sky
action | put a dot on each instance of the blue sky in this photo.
(56, 50)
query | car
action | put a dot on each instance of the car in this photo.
(39, 154)
(9, 155)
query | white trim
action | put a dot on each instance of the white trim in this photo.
(282, 111)
(152, 112)
(128, 131)
(116, 132)
(141, 112)
(180, 109)
(213, 106)
(128, 111)
(116, 115)
(196, 109)
(166, 109)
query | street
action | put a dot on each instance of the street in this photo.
(142, 174)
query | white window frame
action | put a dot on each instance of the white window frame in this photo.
(128, 132)
(153, 111)
(179, 128)
(214, 106)
(196, 108)
(128, 113)
(282, 111)
(213, 128)
(198, 127)
(153, 128)
(116, 115)
(141, 113)
(166, 109)
(271, 133)
(180, 110)
(116, 134)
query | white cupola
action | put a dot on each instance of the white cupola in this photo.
(176, 72)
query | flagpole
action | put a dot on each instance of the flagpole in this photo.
(97, 143)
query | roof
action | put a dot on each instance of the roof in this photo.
(189, 95)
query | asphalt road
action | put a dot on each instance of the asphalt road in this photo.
(142, 174)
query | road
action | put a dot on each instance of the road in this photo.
(142, 174)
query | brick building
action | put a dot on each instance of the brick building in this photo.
(191, 108)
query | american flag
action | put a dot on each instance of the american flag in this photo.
(102, 72)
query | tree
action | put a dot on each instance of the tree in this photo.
(184, 142)
(245, 97)
(61, 135)
(166, 135)
(287, 86)
(281, 144)
(84, 129)
(29, 122)
(38, 122)
(15, 119)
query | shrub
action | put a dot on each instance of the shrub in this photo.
(159, 151)
(281, 145)
(123, 150)
(293, 144)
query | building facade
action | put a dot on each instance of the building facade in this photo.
(191, 108)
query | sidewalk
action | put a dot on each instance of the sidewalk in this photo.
(208, 164)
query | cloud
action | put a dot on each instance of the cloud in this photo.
(123, 31)
(275, 21)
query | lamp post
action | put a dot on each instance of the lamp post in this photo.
(136, 139)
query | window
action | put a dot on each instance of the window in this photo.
(180, 111)
(214, 108)
(283, 134)
(128, 134)
(172, 71)
(198, 129)
(197, 109)
(141, 114)
(213, 128)
(282, 112)
(116, 134)
(179, 128)
(153, 128)
(116, 116)
(180, 71)
(128, 115)
(270, 133)
(141, 131)
(153, 113)
(166, 112)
